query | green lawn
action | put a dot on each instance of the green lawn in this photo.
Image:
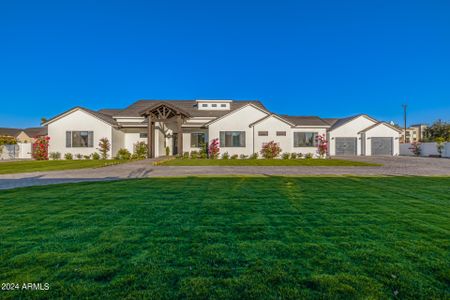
(264, 162)
(238, 237)
(24, 166)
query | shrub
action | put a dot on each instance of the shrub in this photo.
(79, 156)
(293, 155)
(203, 152)
(214, 149)
(104, 146)
(300, 155)
(234, 156)
(308, 155)
(243, 156)
(87, 157)
(194, 154)
(68, 156)
(270, 150)
(186, 155)
(167, 151)
(55, 155)
(123, 154)
(140, 150)
(95, 156)
(225, 155)
(285, 155)
(440, 145)
(253, 156)
(416, 148)
(40, 148)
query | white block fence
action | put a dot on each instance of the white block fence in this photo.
(427, 149)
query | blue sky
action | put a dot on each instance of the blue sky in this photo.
(326, 58)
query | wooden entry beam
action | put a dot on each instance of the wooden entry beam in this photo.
(180, 134)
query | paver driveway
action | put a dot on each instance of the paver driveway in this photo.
(412, 166)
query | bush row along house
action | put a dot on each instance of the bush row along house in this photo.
(242, 127)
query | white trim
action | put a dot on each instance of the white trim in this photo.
(236, 110)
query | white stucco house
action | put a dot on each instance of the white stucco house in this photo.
(242, 127)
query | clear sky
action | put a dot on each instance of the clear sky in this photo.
(326, 58)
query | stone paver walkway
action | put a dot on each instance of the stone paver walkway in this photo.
(407, 166)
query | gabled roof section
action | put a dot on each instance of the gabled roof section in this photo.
(14, 132)
(272, 115)
(189, 106)
(343, 121)
(102, 117)
(236, 110)
(36, 131)
(306, 121)
(109, 111)
(378, 124)
(166, 104)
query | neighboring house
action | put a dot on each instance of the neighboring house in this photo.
(24, 135)
(242, 127)
(414, 133)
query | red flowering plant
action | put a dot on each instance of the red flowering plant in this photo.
(39, 149)
(322, 145)
(214, 149)
(416, 148)
(270, 150)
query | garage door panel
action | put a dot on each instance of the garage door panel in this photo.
(382, 145)
(345, 146)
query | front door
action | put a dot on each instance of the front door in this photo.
(175, 144)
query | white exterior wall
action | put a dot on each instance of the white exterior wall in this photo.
(349, 129)
(381, 131)
(78, 120)
(239, 120)
(187, 139)
(305, 150)
(427, 149)
(117, 142)
(272, 125)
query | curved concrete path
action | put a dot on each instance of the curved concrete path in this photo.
(394, 166)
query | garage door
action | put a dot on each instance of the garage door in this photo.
(382, 145)
(345, 146)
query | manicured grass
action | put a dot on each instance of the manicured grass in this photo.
(25, 166)
(239, 237)
(264, 162)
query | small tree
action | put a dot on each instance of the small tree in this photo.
(104, 146)
(214, 149)
(140, 150)
(322, 145)
(415, 148)
(270, 150)
(39, 149)
(440, 145)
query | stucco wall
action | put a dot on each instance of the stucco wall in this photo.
(77, 121)
(118, 141)
(427, 149)
(349, 129)
(237, 121)
(381, 131)
(272, 125)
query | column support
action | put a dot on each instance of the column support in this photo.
(150, 133)
(180, 134)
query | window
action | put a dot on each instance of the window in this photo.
(223, 105)
(214, 105)
(204, 105)
(263, 133)
(83, 139)
(143, 135)
(232, 139)
(198, 139)
(305, 139)
(281, 133)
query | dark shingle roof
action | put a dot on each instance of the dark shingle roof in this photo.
(109, 111)
(190, 106)
(107, 118)
(10, 131)
(305, 120)
(36, 131)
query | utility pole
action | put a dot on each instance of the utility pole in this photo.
(404, 121)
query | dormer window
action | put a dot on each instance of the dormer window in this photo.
(214, 104)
